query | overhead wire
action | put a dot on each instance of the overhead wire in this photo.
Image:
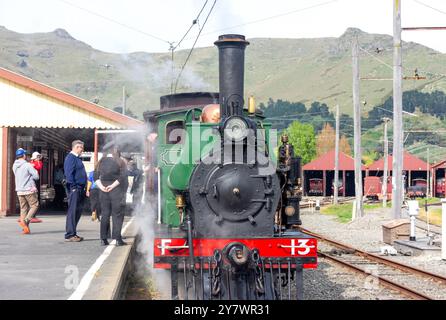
(114, 21)
(429, 6)
(173, 48)
(193, 46)
(272, 17)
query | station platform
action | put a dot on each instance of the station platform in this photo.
(42, 265)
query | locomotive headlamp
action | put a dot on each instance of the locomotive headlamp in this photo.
(236, 129)
(289, 211)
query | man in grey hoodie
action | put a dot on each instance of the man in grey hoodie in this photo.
(25, 186)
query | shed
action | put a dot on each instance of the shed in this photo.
(414, 167)
(323, 168)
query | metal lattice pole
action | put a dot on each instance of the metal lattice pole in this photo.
(386, 161)
(397, 164)
(357, 129)
(336, 174)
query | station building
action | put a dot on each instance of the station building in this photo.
(40, 118)
(413, 167)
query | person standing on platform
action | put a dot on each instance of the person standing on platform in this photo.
(107, 178)
(137, 188)
(124, 179)
(37, 163)
(93, 194)
(59, 188)
(76, 179)
(25, 186)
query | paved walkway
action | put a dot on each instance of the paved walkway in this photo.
(42, 265)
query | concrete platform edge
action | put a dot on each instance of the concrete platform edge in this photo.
(110, 280)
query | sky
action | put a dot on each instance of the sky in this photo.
(149, 25)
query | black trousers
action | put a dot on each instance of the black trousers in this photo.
(59, 195)
(94, 201)
(75, 200)
(111, 206)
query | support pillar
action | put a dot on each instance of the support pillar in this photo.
(4, 172)
(95, 147)
(324, 182)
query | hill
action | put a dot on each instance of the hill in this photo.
(302, 70)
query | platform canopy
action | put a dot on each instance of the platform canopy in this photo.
(326, 162)
(410, 163)
(28, 103)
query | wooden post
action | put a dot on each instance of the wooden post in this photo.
(336, 173)
(428, 181)
(324, 183)
(124, 100)
(5, 172)
(95, 159)
(397, 187)
(343, 183)
(357, 129)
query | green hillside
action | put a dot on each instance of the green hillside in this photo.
(302, 70)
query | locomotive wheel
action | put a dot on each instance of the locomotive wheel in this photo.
(278, 285)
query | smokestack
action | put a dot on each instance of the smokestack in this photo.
(231, 51)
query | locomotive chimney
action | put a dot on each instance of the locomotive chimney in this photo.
(231, 50)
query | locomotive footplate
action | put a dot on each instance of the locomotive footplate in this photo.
(262, 268)
(297, 250)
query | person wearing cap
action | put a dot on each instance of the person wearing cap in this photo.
(25, 186)
(37, 163)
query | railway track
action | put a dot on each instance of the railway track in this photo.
(410, 281)
(324, 201)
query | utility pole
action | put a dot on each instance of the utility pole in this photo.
(124, 99)
(357, 129)
(386, 165)
(428, 180)
(397, 164)
(336, 174)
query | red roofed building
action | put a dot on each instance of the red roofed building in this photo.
(414, 168)
(322, 169)
(438, 173)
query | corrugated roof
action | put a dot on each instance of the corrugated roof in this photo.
(28, 103)
(327, 162)
(410, 162)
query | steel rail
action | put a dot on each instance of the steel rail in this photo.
(385, 282)
(379, 259)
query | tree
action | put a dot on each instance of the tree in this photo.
(369, 157)
(302, 138)
(325, 140)
(344, 146)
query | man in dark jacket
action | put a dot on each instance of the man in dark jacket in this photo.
(76, 179)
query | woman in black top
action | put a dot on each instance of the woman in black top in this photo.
(107, 177)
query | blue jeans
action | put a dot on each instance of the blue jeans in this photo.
(75, 200)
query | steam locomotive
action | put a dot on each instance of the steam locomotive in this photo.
(228, 206)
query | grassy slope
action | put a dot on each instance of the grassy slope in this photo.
(344, 211)
(294, 69)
